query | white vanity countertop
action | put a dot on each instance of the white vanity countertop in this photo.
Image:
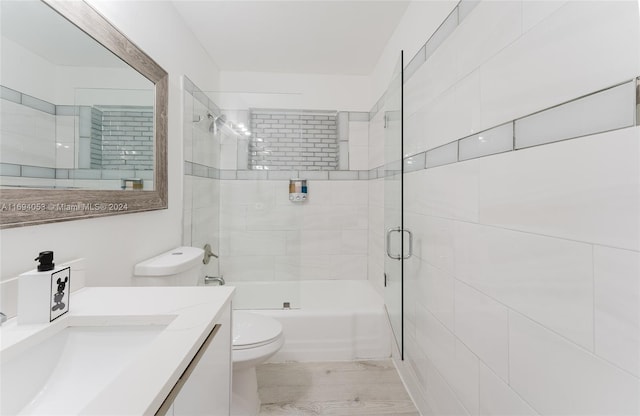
(189, 312)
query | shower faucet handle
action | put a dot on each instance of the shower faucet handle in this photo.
(208, 254)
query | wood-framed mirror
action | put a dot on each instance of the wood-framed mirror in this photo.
(55, 180)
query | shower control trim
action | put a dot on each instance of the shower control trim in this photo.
(208, 254)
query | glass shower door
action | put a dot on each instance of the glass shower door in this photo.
(394, 251)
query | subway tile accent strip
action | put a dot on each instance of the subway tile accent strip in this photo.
(446, 28)
(442, 155)
(38, 104)
(27, 100)
(489, 142)
(10, 95)
(192, 169)
(415, 63)
(38, 172)
(613, 108)
(199, 95)
(358, 116)
(26, 171)
(9, 169)
(415, 162)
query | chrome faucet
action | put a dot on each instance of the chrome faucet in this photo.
(210, 279)
(3, 318)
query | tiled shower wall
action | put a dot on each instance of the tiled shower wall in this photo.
(265, 236)
(522, 296)
(201, 193)
(127, 138)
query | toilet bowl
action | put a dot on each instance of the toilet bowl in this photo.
(255, 339)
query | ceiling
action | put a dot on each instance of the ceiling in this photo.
(301, 36)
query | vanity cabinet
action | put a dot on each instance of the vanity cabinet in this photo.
(207, 389)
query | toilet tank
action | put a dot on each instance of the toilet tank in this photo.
(181, 266)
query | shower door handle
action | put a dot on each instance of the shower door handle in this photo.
(410, 244)
(388, 243)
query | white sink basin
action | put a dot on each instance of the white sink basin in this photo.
(43, 378)
(105, 357)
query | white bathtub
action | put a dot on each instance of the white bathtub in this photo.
(330, 320)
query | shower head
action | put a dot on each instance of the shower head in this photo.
(217, 122)
(221, 120)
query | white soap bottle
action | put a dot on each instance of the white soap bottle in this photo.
(43, 293)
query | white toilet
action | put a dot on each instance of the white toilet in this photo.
(255, 337)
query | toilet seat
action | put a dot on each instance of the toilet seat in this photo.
(252, 330)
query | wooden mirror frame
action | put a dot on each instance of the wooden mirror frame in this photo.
(22, 207)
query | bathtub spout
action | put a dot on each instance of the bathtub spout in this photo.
(211, 279)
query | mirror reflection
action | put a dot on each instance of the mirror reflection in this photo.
(74, 115)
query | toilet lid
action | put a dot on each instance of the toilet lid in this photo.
(253, 329)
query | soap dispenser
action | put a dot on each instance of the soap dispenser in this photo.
(43, 293)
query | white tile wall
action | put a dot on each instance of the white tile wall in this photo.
(462, 375)
(533, 12)
(65, 142)
(28, 136)
(414, 132)
(548, 279)
(482, 324)
(376, 141)
(187, 209)
(580, 48)
(375, 220)
(557, 377)
(478, 41)
(449, 191)
(533, 254)
(434, 338)
(436, 292)
(440, 396)
(358, 145)
(325, 237)
(617, 307)
(497, 398)
(585, 189)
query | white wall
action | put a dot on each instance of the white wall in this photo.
(305, 91)
(26, 72)
(522, 296)
(113, 245)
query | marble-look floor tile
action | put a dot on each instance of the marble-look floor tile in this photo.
(369, 388)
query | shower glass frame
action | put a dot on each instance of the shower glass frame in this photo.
(393, 205)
